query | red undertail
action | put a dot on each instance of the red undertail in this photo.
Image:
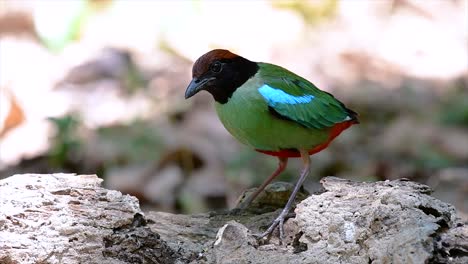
(294, 153)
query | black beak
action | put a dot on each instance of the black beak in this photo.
(196, 85)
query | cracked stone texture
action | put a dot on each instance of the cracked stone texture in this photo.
(383, 222)
(64, 218)
(59, 218)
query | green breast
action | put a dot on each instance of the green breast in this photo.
(247, 118)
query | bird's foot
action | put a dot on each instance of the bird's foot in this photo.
(278, 222)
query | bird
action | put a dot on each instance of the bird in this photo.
(272, 110)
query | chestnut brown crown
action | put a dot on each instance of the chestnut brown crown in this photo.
(220, 72)
(203, 63)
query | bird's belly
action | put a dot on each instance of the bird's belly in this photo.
(251, 123)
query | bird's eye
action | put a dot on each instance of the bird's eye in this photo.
(216, 66)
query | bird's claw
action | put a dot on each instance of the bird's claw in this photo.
(278, 222)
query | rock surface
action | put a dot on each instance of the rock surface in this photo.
(67, 218)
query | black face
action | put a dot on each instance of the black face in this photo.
(220, 75)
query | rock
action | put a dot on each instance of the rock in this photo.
(66, 218)
(59, 218)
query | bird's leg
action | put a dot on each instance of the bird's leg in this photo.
(279, 221)
(283, 162)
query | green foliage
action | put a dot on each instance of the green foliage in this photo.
(190, 203)
(77, 149)
(431, 158)
(58, 30)
(454, 111)
(133, 79)
(66, 29)
(131, 143)
(312, 12)
(66, 143)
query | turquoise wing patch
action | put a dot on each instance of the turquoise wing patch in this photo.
(298, 100)
(277, 96)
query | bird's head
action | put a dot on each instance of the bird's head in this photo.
(220, 73)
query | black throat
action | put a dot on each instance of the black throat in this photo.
(235, 73)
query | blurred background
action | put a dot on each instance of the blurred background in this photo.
(97, 87)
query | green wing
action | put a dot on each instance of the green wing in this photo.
(292, 97)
